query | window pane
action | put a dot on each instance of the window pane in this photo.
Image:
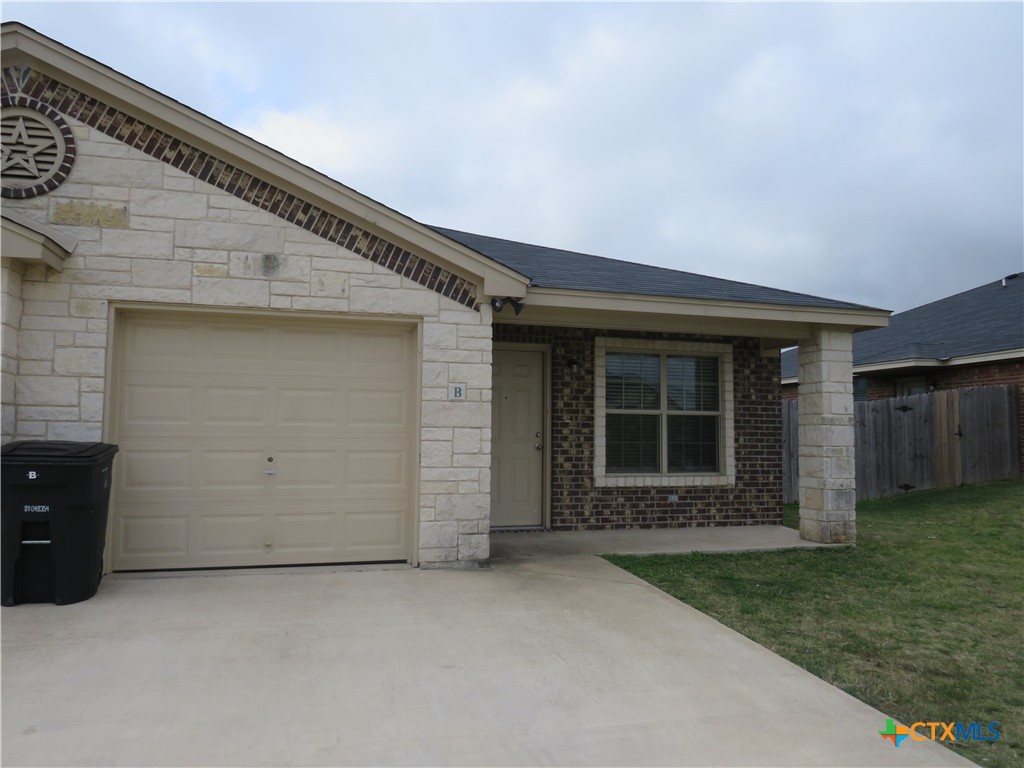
(632, 381)
(631, 442)
(692, 383)
(860, 389)
(692, 443)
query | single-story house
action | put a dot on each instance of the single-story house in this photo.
(296, 373)
(970, 339)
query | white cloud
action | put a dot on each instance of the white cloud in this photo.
(315, 137)
(769, 92)
(868, 151)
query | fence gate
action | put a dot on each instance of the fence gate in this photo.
(935, 440)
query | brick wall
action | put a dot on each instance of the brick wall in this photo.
(1005, 372)
(880, 388)
(577, 504)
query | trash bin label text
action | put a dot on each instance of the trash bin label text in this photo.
(37, 507)
(32, 474)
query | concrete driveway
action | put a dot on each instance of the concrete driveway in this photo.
(556, 661)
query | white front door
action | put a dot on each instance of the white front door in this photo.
(517, 448)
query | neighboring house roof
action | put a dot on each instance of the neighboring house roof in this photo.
(982, 323)
(556, 268)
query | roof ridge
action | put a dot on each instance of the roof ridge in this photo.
(990, 284)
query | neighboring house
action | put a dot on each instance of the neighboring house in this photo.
(966, 340)
(296, 373)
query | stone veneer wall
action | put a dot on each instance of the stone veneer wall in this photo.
(10, 307)
(576, 504)
(149, 232)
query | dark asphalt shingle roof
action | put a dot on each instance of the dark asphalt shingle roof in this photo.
(989, 318)
(555, 268)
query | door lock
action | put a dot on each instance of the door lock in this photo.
(538, 446)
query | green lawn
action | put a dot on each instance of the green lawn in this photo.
(923, 619)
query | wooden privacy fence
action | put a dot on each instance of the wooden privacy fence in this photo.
(935, 440)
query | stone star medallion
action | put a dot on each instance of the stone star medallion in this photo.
(38, 149)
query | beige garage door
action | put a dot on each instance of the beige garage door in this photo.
(259, 441)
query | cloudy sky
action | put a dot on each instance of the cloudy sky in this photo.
(867, 152)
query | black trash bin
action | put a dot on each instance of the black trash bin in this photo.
(54, 520)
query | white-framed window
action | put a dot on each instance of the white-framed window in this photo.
(915, 386)
(663, 413)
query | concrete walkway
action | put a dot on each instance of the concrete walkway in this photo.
(549, 661)
(647, 541)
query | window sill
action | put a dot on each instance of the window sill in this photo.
(664, 481)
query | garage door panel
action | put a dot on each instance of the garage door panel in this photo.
(148, 405)
(308, 470)
(386, 353)
(330, 403)
(235, 406)
(305, 532)
(378, 470)
(236, 345)
(309, 347)
(308, 407)
(158, 471)
(158, 345)
(377, 408)
(236, 470)
(375, 528)
(143, 536)
(237, 533)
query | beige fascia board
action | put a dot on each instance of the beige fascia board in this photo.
(785, 323)
(772, 334)
(21, 45)
(32, 242)
(926, 362)
(931, 362)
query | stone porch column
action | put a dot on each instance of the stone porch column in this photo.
(828, 494)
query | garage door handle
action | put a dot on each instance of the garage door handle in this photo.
(269, 471)
(37, 541)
